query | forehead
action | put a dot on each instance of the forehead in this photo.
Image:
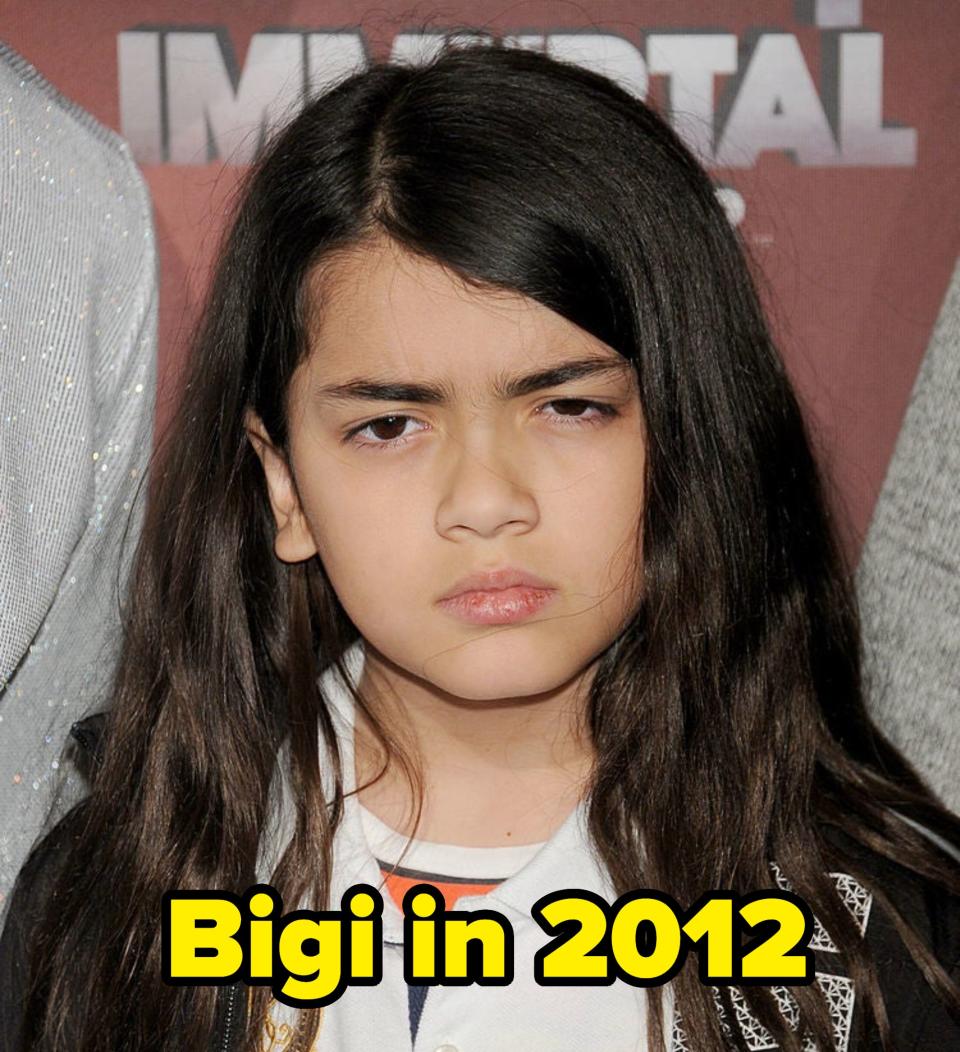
(383, 310)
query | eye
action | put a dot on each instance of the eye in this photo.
(578, 412)
(382, 433)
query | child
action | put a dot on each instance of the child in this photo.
(484, 424)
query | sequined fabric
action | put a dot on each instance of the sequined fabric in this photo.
(909, 573)
(77, 377)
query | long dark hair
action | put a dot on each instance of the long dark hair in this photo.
(730, 709)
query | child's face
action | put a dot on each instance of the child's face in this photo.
(545, 481)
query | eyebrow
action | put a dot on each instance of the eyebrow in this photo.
(505, 388)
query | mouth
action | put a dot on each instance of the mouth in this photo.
(497, 597)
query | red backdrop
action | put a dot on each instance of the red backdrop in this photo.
(833, 123)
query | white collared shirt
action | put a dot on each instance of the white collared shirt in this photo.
(522, 1016)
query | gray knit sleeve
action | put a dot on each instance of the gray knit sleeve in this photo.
(77, 377)
(909, 576)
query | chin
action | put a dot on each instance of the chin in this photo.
(502, 664)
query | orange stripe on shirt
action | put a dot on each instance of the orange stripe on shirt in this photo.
(398, 885)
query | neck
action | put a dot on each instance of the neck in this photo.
(493, 772)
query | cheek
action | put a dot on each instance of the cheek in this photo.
(366, 538)
(600, 516)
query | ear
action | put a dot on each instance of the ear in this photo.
(294, 542)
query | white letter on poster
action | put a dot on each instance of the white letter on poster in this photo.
(863, 138)
(692, 60)
(776, 108)
(138, 68)
(331, 57)
(210, 119)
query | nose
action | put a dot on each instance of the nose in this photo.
(485, 491)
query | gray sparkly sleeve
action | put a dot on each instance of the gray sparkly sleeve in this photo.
(909, 576)
(78, 306)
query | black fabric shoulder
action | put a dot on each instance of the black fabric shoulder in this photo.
(31, 896)
(34, 885)
(31, 893)
(89, 734)
(919, 1019)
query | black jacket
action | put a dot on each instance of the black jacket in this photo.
(32, 891)
(919, 1020)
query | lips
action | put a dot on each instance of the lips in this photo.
(497, 597)
(497, 581)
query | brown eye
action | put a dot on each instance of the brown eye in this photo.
(574, 412)
(385, 432)
(388, 427)
(571, 406)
